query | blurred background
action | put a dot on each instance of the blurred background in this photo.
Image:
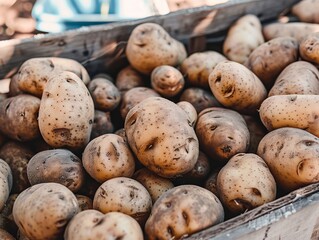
(24, 18)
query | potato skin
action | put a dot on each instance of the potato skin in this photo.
(183, 210)
(222, 133)
(306, 11)
(297, 78)
(5, 182)
(242, 38)
(56, 165)
(71, 124)
(161, 136)
(190, 110)
(292, 157)
(245, 182)
(4, 235)
(150, 46)
(128, 78)
(236, 87)
(108, 156)
(92, 224)
(198, 66)
(102, 124)
(309, 49)
(43, 210)
(18, 117)
(270, 58)
(280, 111)
(85, 202)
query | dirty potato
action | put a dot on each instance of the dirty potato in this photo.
(84, 202)
(5, 182)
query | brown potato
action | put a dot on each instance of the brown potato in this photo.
(161, 136)
(14, 86)
(43, 210)
(190, 111)
(66, 112)
(167, 81)
(57, 165)
(128, 78)
(309, 47)
(150, 46)
(92, 224)
(121, 132)
(199, 98)
(85, 202)
(102, 124)
(236, 87)
(124, 195)
(108, 156)
(154, 184)
(183, 210)
(297, 78)
(18, 117)
(245, 182)
(105, 94)
(270, 58)
(6, 218)
(4, 235)
(211, 182)
(242, 38)
(222, 133)
(292, 157)
(299, 111)
(197, 67)
(17, 156)
(5, 182)
(306, 11)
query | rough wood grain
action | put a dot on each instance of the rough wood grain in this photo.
(101, 48)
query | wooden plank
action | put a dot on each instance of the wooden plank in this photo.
(101, 48)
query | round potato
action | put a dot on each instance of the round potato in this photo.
(57, 165)
(92, 224)
(85, 202)
(183, 210)
(128, 78)
(102, 124)
(19, 117)
(309, 48)
(5, 182)
(124, 195)
(43, 210)
(245, 182)
(190, 111)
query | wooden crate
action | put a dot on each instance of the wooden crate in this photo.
(101, 49)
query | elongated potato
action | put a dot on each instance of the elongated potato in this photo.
(306, 11)
(66, 112)
(292, 157)
(242, 38)
(299, 111)
(297, 78)
(5, 182)
(297, 30)
(236, 87)
(270, 58)
(309, 48)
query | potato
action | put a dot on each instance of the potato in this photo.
(245, 182)
(123, 195)
(161, 136)
(222, 133)
(3, 96)
(183, 210)
(297, 78)
(309, 49)
(57, 165)
(121, 132)
(299, 111)
(292, 157)
(134, 96)
(108, 156)
(105, 94)
(105, 76)
(85, 202)
(92, 224)
(6, 218)
(128, 78)
(4, 235)
(236, 87)
(17, 156)
(154, 184)
(5, 182)
(190, 111)
(14, 86)
(197, 67)
(43, 210)
(150, 46)
(199, 98)
(102, 124)
(297, 30)
(35, 72)
(66, 112)
(18, 117)
(242, 38)
(167, 81)
(270, 58)
(211, 182)
(306, 11)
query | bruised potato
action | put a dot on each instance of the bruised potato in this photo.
(150, 46)
(43, 210)
(66, 112)
(245, 182)
(5, 182)
(92, 224)
(183, 210)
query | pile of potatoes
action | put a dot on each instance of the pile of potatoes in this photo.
(171, 145)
